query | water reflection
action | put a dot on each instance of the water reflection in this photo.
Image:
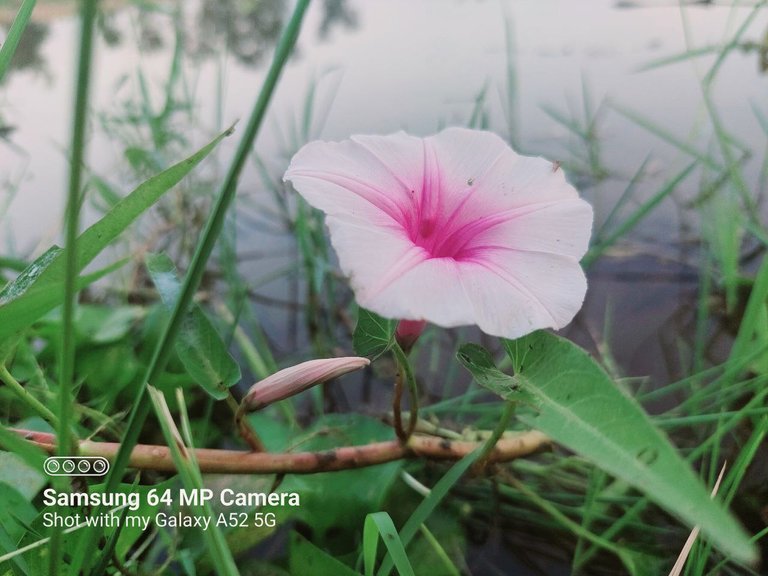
(336, 12)
(247, 29)
(29, 52)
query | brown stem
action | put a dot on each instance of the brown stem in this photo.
(245, 430)
(147, 457)
(397, 398)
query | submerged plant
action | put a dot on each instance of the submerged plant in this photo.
(455, 229)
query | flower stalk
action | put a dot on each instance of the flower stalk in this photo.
(404, 371)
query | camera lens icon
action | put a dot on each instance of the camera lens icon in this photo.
(76, 466)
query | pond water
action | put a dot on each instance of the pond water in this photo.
(525, 69)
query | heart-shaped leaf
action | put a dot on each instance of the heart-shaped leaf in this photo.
(373, 335)
(578, 405)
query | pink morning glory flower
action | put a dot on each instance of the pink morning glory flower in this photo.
(454, 229)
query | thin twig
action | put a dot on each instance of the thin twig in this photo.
(212, 461)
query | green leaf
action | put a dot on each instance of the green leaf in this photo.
(373, 335)
(29, 275)
(15, 472)
(335, 504)
(306, 558)
(580, 407)
(8, 47)
(199, 346)
(379, 523)
(40, 298)
(19, 286)
(424, 510)
(479, 362)
(94, 324)
(50, 282)
(16, 514)
(32, 456)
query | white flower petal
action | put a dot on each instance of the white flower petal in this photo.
(373, 257)
(551, 286)
(430, 291)
(352, 177)
(557, 228)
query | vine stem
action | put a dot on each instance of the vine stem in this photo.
(496, 435)
(404, 369)
(247, 432)
(158, 458)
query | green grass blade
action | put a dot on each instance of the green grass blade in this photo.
(750, 337)
(577, 404)
(26, 278)
(14, 264)
(189, 472)
(428, 505)
(569, 123)
(681, 57)
(93, 240)
(732, 43)
(637, 216)
(39, 299)
(8, 47)
(512, 101)
(668, 137)
(380, 524)
(632, 560)
(758, 232)
(625, 197)
(306, 558)
(448, 566)
(743, 461)
(64, 430)
(72, 224)
(28, 275)
(725, 428)
(31, 454)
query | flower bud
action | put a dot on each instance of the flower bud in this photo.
(407, 332)
(291, 381)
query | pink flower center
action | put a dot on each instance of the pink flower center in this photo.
(438, 238)
(445, 235)
(432, 221)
